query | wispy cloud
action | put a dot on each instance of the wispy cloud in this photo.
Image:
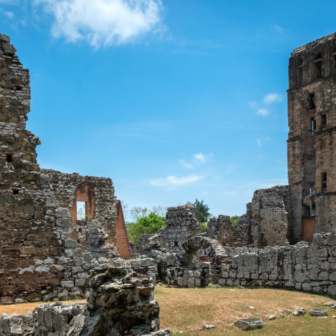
(174, 181)
(203, 157)
(263, 112)
(278, 28)
(253, 104)
(259, 142)
(186, 164)
(272, 97)
(9, 14)
(197, 159)
(102, 22)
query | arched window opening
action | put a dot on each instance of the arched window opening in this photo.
(300, 71)
(318, 65)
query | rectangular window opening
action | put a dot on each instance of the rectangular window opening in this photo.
(9, 158)
(324, 120)
(312, 101)
(313, 124)
(15, 192)
(81, 211)
(324, 181)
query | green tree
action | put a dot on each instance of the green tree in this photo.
(203, 227)
(201, 211)
(235, 220)
(148, 224)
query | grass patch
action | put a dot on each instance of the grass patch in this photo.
(186, 310)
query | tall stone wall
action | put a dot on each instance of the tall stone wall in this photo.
(271, 216)
(37, 206)
(311, 137)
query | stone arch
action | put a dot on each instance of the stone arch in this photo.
(212, 248)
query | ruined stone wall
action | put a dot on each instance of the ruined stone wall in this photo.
(124, 247)
(120, 302)
(37, 258)
(301, 267)
(99, 198)
(181, 224)
(221, 229)
(312, 125)
(271, 219)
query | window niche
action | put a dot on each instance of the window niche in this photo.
(313, 124)
(299, 70)
(323, 120)
(9, 157)
(324, 181)
(312, 101)
(318, 65)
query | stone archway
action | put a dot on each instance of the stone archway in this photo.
(213, 249)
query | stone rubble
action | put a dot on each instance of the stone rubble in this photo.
(120, 302)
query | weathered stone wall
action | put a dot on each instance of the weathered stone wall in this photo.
(181, 224)
(311, 138)
(271, 216)
(221, 229)
(120, 302)
(145, 239)
(188, 276)
(36, 206)
(301, 267)
(124, 248)
(100, 203)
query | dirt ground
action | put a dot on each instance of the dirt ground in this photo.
(186, 310)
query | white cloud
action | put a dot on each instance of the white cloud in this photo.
(202, 157)
(263, 112)
(253, 104)
(272, 97)
(102, 22)
(259, 142)
(174, 181)
(186, 164)
(9, 14)
(229, 193)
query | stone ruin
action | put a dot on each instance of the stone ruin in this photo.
(45, 252)
(181, 224)
(120, 302)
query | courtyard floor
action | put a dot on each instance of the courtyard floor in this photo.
(187, 309)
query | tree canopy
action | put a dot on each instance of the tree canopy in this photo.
(201, 211)
(235, 220)
(145, 225)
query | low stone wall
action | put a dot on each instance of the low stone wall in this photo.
(188, 276)
(301, 267)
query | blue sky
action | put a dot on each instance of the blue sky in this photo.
(172, 100)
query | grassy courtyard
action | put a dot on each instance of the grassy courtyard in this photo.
(187, 309)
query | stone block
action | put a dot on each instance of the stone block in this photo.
(80, 282)
(70, 243)
(67, 284)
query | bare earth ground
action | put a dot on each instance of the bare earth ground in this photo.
(187, 309)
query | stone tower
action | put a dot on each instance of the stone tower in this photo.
(312, 137)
